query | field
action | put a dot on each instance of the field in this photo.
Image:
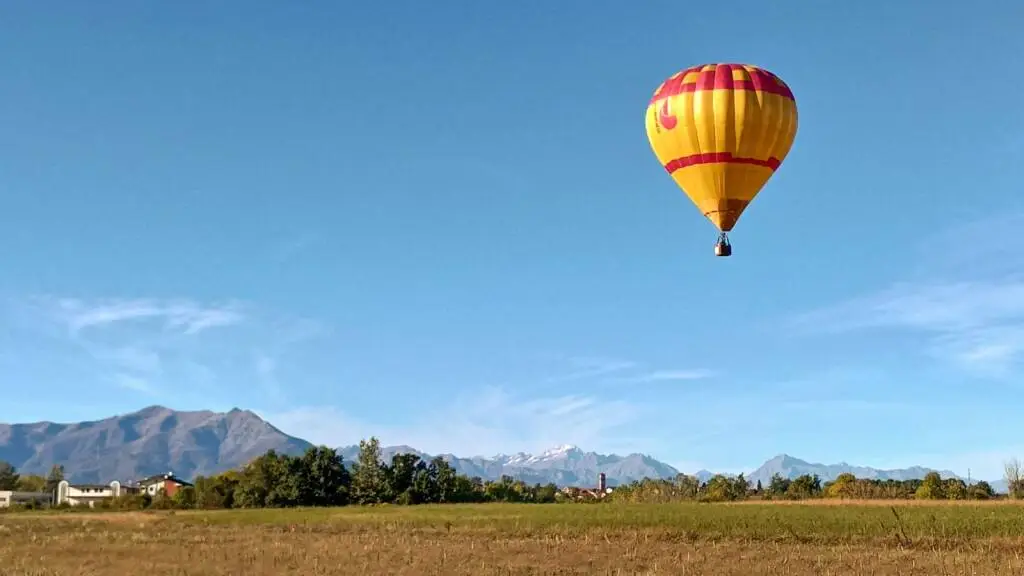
(748, 538)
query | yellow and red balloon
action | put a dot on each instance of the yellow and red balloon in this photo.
(721, 131)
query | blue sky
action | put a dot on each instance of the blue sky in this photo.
(444, 226)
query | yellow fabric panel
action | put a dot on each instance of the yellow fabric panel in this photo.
(722, 130)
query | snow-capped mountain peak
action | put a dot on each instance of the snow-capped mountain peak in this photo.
(525, 458)
(513, 459)
(563, 449)
(558, 452)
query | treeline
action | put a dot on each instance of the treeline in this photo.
(10, 479)
(320, 477)
(725, 489)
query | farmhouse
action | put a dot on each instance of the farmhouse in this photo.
(168, 482)
(88, 494)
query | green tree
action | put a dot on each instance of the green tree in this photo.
(205, 499)
(981, 491)
(464, 488)
(688, 486)
(1014, 476)
(931, 487)
(131, 502)
(503, 490)
(9, 476)
(325, 480)
(954, 489)
(545, 494)
(804, 486)
(184, 498)
(778, 486)
(251, 491)
(369, 479)
(450, 487)
(32, 483)
(719, 488)
(740, 487)
(401, 476)
(844, 486)
(270, 480)
(424, 483)
(288, 476)
(216, 491)
(55, 477)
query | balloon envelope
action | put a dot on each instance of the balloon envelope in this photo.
(721, 131)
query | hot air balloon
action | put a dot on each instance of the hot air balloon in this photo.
(721, 131)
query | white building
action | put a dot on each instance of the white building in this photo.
(10, 498)
(168, 483)
(86, 494)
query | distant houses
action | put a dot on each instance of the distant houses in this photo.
(168, 482)
(582, 494)
(89, 494)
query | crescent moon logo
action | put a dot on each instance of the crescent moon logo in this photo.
(666, 117)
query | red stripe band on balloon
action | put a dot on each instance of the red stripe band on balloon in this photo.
(719, 158)
(721, 78)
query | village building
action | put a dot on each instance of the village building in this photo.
(600, 492)
(87, 494)
(168, 483)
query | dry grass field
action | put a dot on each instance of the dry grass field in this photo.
(722, 539)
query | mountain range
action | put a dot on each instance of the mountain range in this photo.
(151, 441)
(565, 465)
(191, 443)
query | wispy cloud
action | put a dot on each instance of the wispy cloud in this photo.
(181, 315)
(494, 419)
(617, 370)
(845, 406)
(143, 344)
(586, 367)
(487, 422)
(939, 307)
(978, 325)
(969, 306)
(672, 375)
